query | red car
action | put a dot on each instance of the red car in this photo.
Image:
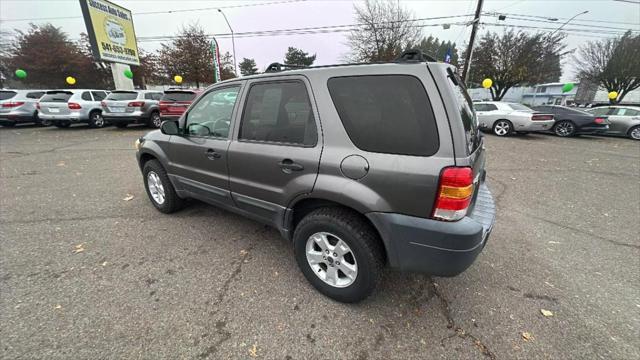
(175, 102)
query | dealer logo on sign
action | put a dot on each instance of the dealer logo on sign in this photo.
(115, 31)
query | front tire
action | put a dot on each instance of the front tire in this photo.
(339, 253)
(502, 127)
(96, 120)
(159, 189)
(155, 121)
(564, 128)
(634, 132)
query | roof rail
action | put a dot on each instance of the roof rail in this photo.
(414, 55)
(275, 67)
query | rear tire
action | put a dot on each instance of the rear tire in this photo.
(634, 133)
(96, 120)
(62, 124)
(321, 231)
(564, 128)
(502, 127)
(157, 183)
(121, 125)
(155, 121)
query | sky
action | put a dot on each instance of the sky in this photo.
(330, 48)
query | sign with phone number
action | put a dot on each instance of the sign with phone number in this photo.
(111, 32)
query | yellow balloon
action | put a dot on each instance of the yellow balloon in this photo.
(71, 80)
(486, 83)
(613, 95)
(177, 79)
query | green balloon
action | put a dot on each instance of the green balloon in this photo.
(21, 74)
(128, 73)
(567, 87)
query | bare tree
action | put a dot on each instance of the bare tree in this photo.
(516, 58)
(385, 29)
(612, 63)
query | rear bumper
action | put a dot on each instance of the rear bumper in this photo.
(73, 117)
(436, 247)
(10, 119)
(542, 125)
(133, 118)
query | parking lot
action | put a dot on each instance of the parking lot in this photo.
(89, 269)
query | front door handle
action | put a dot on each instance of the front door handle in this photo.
(212, 154)
(287, 166)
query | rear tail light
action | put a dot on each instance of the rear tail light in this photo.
(103, 104)
(12, 104)
(599, 120)
(163, 105)
(541, 117)
(74, 106)
(136, 104)
(454, 194)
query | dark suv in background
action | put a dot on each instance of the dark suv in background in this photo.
(358, 165)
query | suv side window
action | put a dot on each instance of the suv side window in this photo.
(491, 107)
(626, 112)
(148, 96)
(86, 96)
(211, 115)
(279, 112)
(99, 95)
(386, 113)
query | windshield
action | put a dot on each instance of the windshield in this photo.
(519, 107)
(60, 96)
(122, 95)
(178, 96)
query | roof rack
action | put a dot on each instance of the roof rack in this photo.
(414, 55)
(275, 67)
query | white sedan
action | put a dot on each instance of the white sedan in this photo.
(504, 118)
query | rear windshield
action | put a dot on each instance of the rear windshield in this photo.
(56, 97)
(178, 96)
(519, 107)
(5, 95)
(386, 113)
(465, 108)
(122, 95)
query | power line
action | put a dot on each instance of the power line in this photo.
(575, 22)
(164, 11)
(493, 13)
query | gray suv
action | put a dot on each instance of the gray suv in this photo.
(65, 107)
(359, 166)
(124, 107)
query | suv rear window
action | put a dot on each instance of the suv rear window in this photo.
(178, 96)
(6, 95)
(61, 96)
(386, 113)
(122, 95)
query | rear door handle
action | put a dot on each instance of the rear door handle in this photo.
(212, 154)
(287, 165)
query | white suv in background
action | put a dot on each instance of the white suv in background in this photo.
(65, 107)
(505, 118)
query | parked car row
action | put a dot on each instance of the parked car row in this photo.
(505, 118)
(95, 107)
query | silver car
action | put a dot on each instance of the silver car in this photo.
(19, 106)
(66, 107)
(505, 118)
(624, 120)
(124, 107)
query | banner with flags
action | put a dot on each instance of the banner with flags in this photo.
(216, 60)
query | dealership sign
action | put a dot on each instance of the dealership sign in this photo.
(111, 33)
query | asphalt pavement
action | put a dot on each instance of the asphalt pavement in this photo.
(90, 270)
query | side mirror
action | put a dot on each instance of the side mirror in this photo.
(169, 127)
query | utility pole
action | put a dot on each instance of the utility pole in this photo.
(233, 42)
(467, 58)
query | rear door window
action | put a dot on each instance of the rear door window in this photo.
(86, 96)
(35, 95)
(122, 95)
(386, 113)
(99, 95)
(6, 95)
(178, 96)
(61, 96)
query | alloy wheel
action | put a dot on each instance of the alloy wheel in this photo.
(564, 128)
(635, 133)
(98, 120)
(156, 120)
(502, 128)
(331, 259)
(155, 187)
